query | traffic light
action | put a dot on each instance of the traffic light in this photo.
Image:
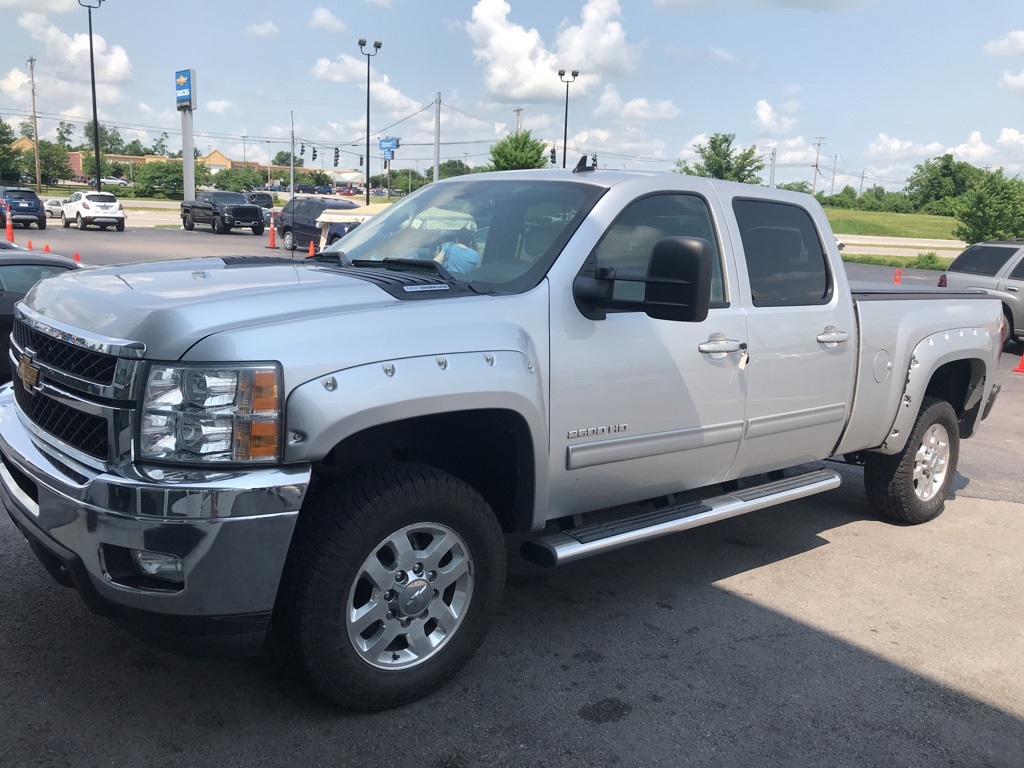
(336, 153)
(552, 156)
(386, 164)
(593, 160)
(302, 149)
(314, 153)
(360, 161)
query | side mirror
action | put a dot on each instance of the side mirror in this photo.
(677, 284)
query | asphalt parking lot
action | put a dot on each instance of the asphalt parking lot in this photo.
(807, 635)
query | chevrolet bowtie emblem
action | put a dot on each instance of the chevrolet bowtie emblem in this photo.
(181, 80)
(28, 373)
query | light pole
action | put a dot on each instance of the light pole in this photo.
(368, 55)
(565, 135)
(90, 5)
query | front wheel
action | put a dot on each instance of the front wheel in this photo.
(216, 226)
(393, 580)
(911, 486)
(258, 229)
(64, 222)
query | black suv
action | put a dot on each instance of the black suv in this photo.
(26, 207)
(296, 225)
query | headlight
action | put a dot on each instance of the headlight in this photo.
(201, 413)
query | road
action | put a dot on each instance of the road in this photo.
(805, 635)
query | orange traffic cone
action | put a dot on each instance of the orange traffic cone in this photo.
(46, 248)
(76, 257)
(897, 276)
(10, 224)
(272, 242)
(311, 252)
(30, 245)
(1020, 366)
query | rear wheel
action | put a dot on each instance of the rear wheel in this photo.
(911, 486)
(392, 581)
(42, 223)
(1006, 329)
(288, 240)
(80, 221)
(120, 226)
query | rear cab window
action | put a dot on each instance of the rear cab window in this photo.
(786, 261)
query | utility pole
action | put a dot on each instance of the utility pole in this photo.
(835, 167)
(861, 183)
(771, 178)
(519, 112)
(817, 155)
(35, 122)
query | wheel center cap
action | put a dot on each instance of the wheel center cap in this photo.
(415, 597)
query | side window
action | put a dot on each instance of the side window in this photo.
(18, 278)
(1018, 271)
(628, 243)
(784, 255)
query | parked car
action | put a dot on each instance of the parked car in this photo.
(305, 189)
(296, 225)
(324, 189)
(26, 207)
(996, 267)
(87, 208)
(348, 192)
(264, 200)
(52, 206)
(114, 181)
(20, 269)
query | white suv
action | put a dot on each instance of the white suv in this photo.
(99, 208)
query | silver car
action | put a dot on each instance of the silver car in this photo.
(997, 267)
(52, 206)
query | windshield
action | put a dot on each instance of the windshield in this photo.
(231, 198)
(499, 232)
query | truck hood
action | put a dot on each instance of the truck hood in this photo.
(169, 306)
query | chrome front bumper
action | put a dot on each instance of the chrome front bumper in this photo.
(230, 529)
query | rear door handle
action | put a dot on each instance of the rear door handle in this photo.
(832, 336)
(1011, 289)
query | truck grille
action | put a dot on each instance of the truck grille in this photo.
(82, 398)
(73, 360)
(82, 431)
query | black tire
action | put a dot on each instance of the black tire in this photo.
(343, 560)
(1006, 329)
(120, 226)
(911, 486)
(258, 229)
(288, 240)
(333, 240)
(216, 226)
(80, 221)
(188, 222)
(42, 223)
(64, 220)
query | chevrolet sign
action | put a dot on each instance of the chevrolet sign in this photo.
(184, 89)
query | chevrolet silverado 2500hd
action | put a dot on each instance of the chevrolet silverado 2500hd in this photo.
(334, 447)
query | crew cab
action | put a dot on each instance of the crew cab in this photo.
(337, 447)
(223, 211)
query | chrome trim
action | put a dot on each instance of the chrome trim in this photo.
(658, 444)
(94, 342)
(763, 426)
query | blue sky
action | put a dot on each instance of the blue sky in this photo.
(884, 84)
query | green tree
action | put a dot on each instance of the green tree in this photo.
(319, 178)
(450, 168)
(847, 198)
(65, 131)
(720, 161)
(53, 162)
(940, 178)
(89, 164)
(796, 186)
(517, 151)
(284, 158)
(9, 157)
(992, 208)
(237, 179)
(160, 145)
(110, 139)
(135, 147)
(25, 129)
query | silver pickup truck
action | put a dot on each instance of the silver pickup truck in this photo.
(334, 448)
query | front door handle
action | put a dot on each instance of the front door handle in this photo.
(832, 336)
(718, 345)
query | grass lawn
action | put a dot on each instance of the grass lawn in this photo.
(891, 224)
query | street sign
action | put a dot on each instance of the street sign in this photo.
(387, 154)
(389, 143)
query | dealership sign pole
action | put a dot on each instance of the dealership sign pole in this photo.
(185, 98)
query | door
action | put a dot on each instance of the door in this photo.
(802, 341)
(642, 407)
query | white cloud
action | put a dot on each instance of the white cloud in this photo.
(1010, 45)
(266, 29)
(41, 6)
(813, 5)
(323, 19)
(723, 55)
(1011, 137)
(519, 65)
(611, 105)
(884, 145)
(972, 150)
(1013, 82)
(219, 106)
(770, 121)
(344, 69)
